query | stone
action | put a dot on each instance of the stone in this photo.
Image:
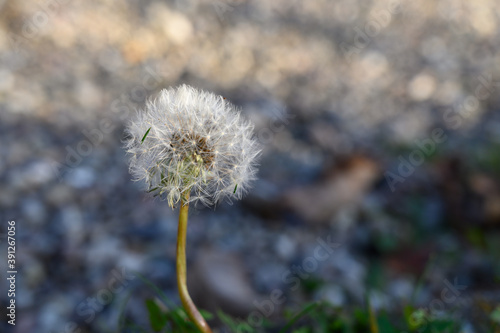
(217, 280)
(331, 293)
(345, 188)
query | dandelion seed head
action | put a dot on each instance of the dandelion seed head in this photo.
(187, 140)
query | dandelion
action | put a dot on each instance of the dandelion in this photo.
(190, 141)
(191, 146)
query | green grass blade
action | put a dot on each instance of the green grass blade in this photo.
(179, 319)
(160, 293)
(372, 317)
(228, 321)
(121, 317)
(156, 317)
(145, 135)
(299, 315)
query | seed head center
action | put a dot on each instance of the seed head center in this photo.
(194, 147)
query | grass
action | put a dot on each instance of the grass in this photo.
(321, 317)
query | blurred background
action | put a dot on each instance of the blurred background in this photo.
(381, 165)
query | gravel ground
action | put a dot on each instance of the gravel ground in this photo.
(381, 127)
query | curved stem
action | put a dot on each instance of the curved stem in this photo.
(188, 304)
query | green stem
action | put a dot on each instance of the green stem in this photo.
(188, 304)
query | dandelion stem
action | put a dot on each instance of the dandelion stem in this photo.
(188, 304)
